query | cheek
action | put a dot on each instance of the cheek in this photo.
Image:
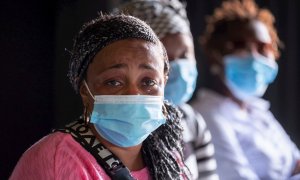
(162, 85)
(155, 90)
(161, 90)
(270, 55)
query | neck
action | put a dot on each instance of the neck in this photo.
(219, 86)
(131, 157)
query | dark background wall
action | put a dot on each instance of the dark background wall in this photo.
(27, 69)
(35, 93)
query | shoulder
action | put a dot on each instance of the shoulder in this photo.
(192, 120)
(208, 101)
(219, 122)
(47, 146)
(38, 160)
(215, 109)
(57, 155)
(191, 115)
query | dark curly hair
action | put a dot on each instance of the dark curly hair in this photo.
(234, 15)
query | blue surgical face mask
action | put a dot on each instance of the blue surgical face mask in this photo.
(249, 76)
(182, 81)
(127, 120)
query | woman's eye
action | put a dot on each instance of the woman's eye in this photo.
(184, 55)
(113, 83)
(149, 82)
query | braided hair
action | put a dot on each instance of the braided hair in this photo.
(163, 148)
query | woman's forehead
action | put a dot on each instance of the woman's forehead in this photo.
(254, 30)
(130, 50)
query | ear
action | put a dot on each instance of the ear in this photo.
(86, 98)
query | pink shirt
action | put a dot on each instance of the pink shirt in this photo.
(59, 156)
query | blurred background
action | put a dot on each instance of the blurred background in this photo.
(36, 95)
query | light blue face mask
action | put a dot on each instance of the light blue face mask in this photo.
(249, 76)
(182, 81)
(126, 120)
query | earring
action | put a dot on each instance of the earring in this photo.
(86, 116)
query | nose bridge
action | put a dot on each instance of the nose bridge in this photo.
(132, 89)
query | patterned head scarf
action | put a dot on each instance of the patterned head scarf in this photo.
(101, 32)
(163, 16)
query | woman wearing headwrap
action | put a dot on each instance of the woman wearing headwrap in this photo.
(169, 21)
(120, 68)
(241, 45)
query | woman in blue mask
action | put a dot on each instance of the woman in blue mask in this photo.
(241, 45)
(127, 131)
(169, 21)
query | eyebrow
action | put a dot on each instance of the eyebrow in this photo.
(116, 66)
(147, 66)
(141, 66)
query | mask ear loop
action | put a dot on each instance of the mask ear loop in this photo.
(88, 89)
(86, 114)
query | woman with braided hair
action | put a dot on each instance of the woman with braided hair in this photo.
(241, 44)
(169, 21)
(119, 68)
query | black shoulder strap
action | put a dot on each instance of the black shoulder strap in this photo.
(108, 161)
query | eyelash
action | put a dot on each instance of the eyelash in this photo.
(112, 83)
(145, 82)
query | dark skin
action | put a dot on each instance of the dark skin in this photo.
(179, 46)
(297, 168)
(241, 42)
(249, 44)
(125, 67)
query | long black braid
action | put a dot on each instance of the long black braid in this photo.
(162, 150)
